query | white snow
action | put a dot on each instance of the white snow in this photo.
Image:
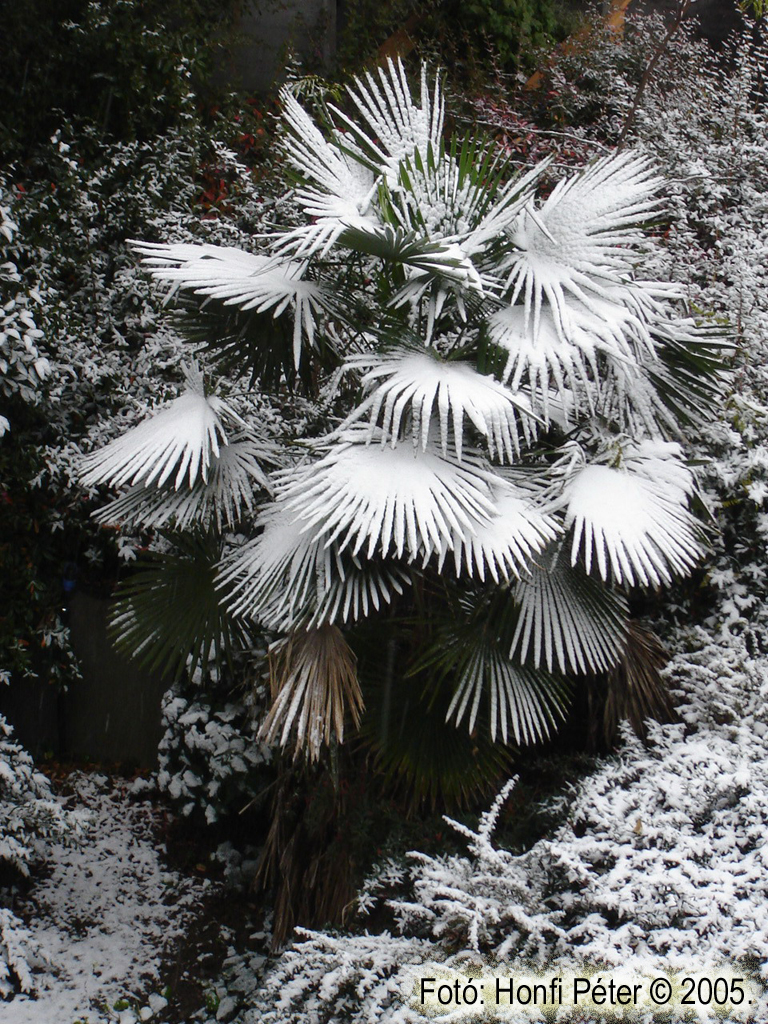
(108, 916)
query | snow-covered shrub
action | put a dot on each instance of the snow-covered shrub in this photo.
(22, 367)
(31, 818)
(662, 861)
(211, 761)
(665, 852)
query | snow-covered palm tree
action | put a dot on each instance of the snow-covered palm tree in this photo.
(512, 455)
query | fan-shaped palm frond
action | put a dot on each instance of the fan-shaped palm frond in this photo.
(505, 546)
(398, 127)
(472, 648)
(634, 517)
(237, 278)
(463, 194)
(339, 188)
(167, 614)
(585, 357)
(284, 578)
(183, 440)
(690, 373)
(545, 362)
(422, 385)
(566, 619)
(583, 240)
(523, 705)
(228, 494)
(404, 726)
(399, 500)
(314, 682)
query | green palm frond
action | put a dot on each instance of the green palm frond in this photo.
(691, 372)
(634, 690)
(471, 647)
(414, 752)
(257, 346)
(567, 620)
(167, 613)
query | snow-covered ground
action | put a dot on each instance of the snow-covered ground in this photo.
(108, 915)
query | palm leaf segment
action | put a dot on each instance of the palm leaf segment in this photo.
(472, 645)
(567, 620)
(411, 505)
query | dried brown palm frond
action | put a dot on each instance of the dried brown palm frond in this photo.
(633, 690)
(313, 676)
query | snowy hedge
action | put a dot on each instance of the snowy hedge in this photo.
(30, 819)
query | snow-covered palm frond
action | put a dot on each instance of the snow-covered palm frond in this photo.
(447, 274)
(634, 518)
(457, 203)
(184, 439)
(314, 682)
(583, 240)
(426, 389)
(548, 363)
(378, 500)
(567, 620)
(249, 281)
(565, 358)
(338, 190)
(275, 577)
(398, 127)
(522, 704)
(234, 478)
(505, 546)
(283, 578)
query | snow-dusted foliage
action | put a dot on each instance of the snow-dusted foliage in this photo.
(23, 368)
(525, 386)
(661, 861)
(31, 819)
(209, 758)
